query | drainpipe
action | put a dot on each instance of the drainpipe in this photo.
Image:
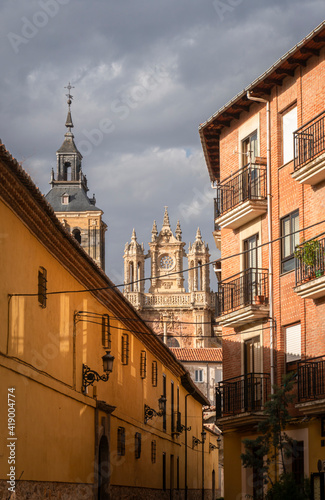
(269, 222)
(186, 429)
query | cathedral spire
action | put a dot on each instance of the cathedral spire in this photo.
(178, 232)
(154, 231)
(166, 222)
(198, 236)
(69, 123)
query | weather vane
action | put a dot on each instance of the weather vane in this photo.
(69, 96)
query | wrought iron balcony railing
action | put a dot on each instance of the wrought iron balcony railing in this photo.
(311, 379)
(246, 393)
(310, 260)
(248, 183)
(309, 140)
(250, 287)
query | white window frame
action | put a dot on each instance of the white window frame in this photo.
(293, 342)
(289, 126)
(198, 375)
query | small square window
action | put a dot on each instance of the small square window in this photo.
(198, 376)
(65, 199)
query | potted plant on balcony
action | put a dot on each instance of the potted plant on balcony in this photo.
(259, 299)
(307, 253)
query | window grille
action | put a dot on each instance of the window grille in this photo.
(154, 373)
(153, 451)
(42, 287)
(137, 444)
(106, 334)
(121, 441)
(143, 364)
(125, 349)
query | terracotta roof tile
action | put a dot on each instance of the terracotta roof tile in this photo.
(198, 353)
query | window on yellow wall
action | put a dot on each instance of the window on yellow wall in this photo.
(125, 349)
(154, 374)
(153, 451)
(121, 441)
(143, 364)
(137, 444)
(42, 287)
(106, 334)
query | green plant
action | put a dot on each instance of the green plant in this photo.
(288, 488)
(271, 449)
(307, 252)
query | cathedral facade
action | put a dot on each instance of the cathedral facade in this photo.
(180, 311)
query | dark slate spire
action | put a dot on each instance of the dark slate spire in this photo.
(69, 123)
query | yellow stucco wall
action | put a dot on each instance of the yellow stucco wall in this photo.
(41, 356)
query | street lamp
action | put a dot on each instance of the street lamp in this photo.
(213, 446)
(90, 376)
(149, 412)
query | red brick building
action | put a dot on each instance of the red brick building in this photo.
(265, 153)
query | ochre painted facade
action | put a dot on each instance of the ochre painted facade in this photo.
(96, 443)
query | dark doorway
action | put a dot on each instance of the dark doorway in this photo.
(103, 470)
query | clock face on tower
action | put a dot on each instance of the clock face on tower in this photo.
(166, 261)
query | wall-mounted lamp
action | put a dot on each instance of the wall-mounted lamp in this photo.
(90, 376)
(149, 412)
(213, 446)
(196, 441)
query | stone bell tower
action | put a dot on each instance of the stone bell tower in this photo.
(134, 269)
(198, 257)
(69, 200)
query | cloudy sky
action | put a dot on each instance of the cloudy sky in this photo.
(146, 74)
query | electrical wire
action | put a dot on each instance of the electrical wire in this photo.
(179, 336)
(174, 272)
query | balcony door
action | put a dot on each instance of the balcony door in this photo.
(250, 285)
(250, 178)
(252, 372)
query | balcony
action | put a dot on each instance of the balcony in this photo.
(311, 385)
(243, 298)
(239, 400)
(310, 269)
(309, 142)
(241, 197)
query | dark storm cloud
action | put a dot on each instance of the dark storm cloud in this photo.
(146, 74)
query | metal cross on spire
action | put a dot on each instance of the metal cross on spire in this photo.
(69, 96)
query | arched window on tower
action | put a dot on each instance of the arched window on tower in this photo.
(191, 283)
(199, 276)
(77, 234)
(131, 279)
(67, 165)
(138, 275)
